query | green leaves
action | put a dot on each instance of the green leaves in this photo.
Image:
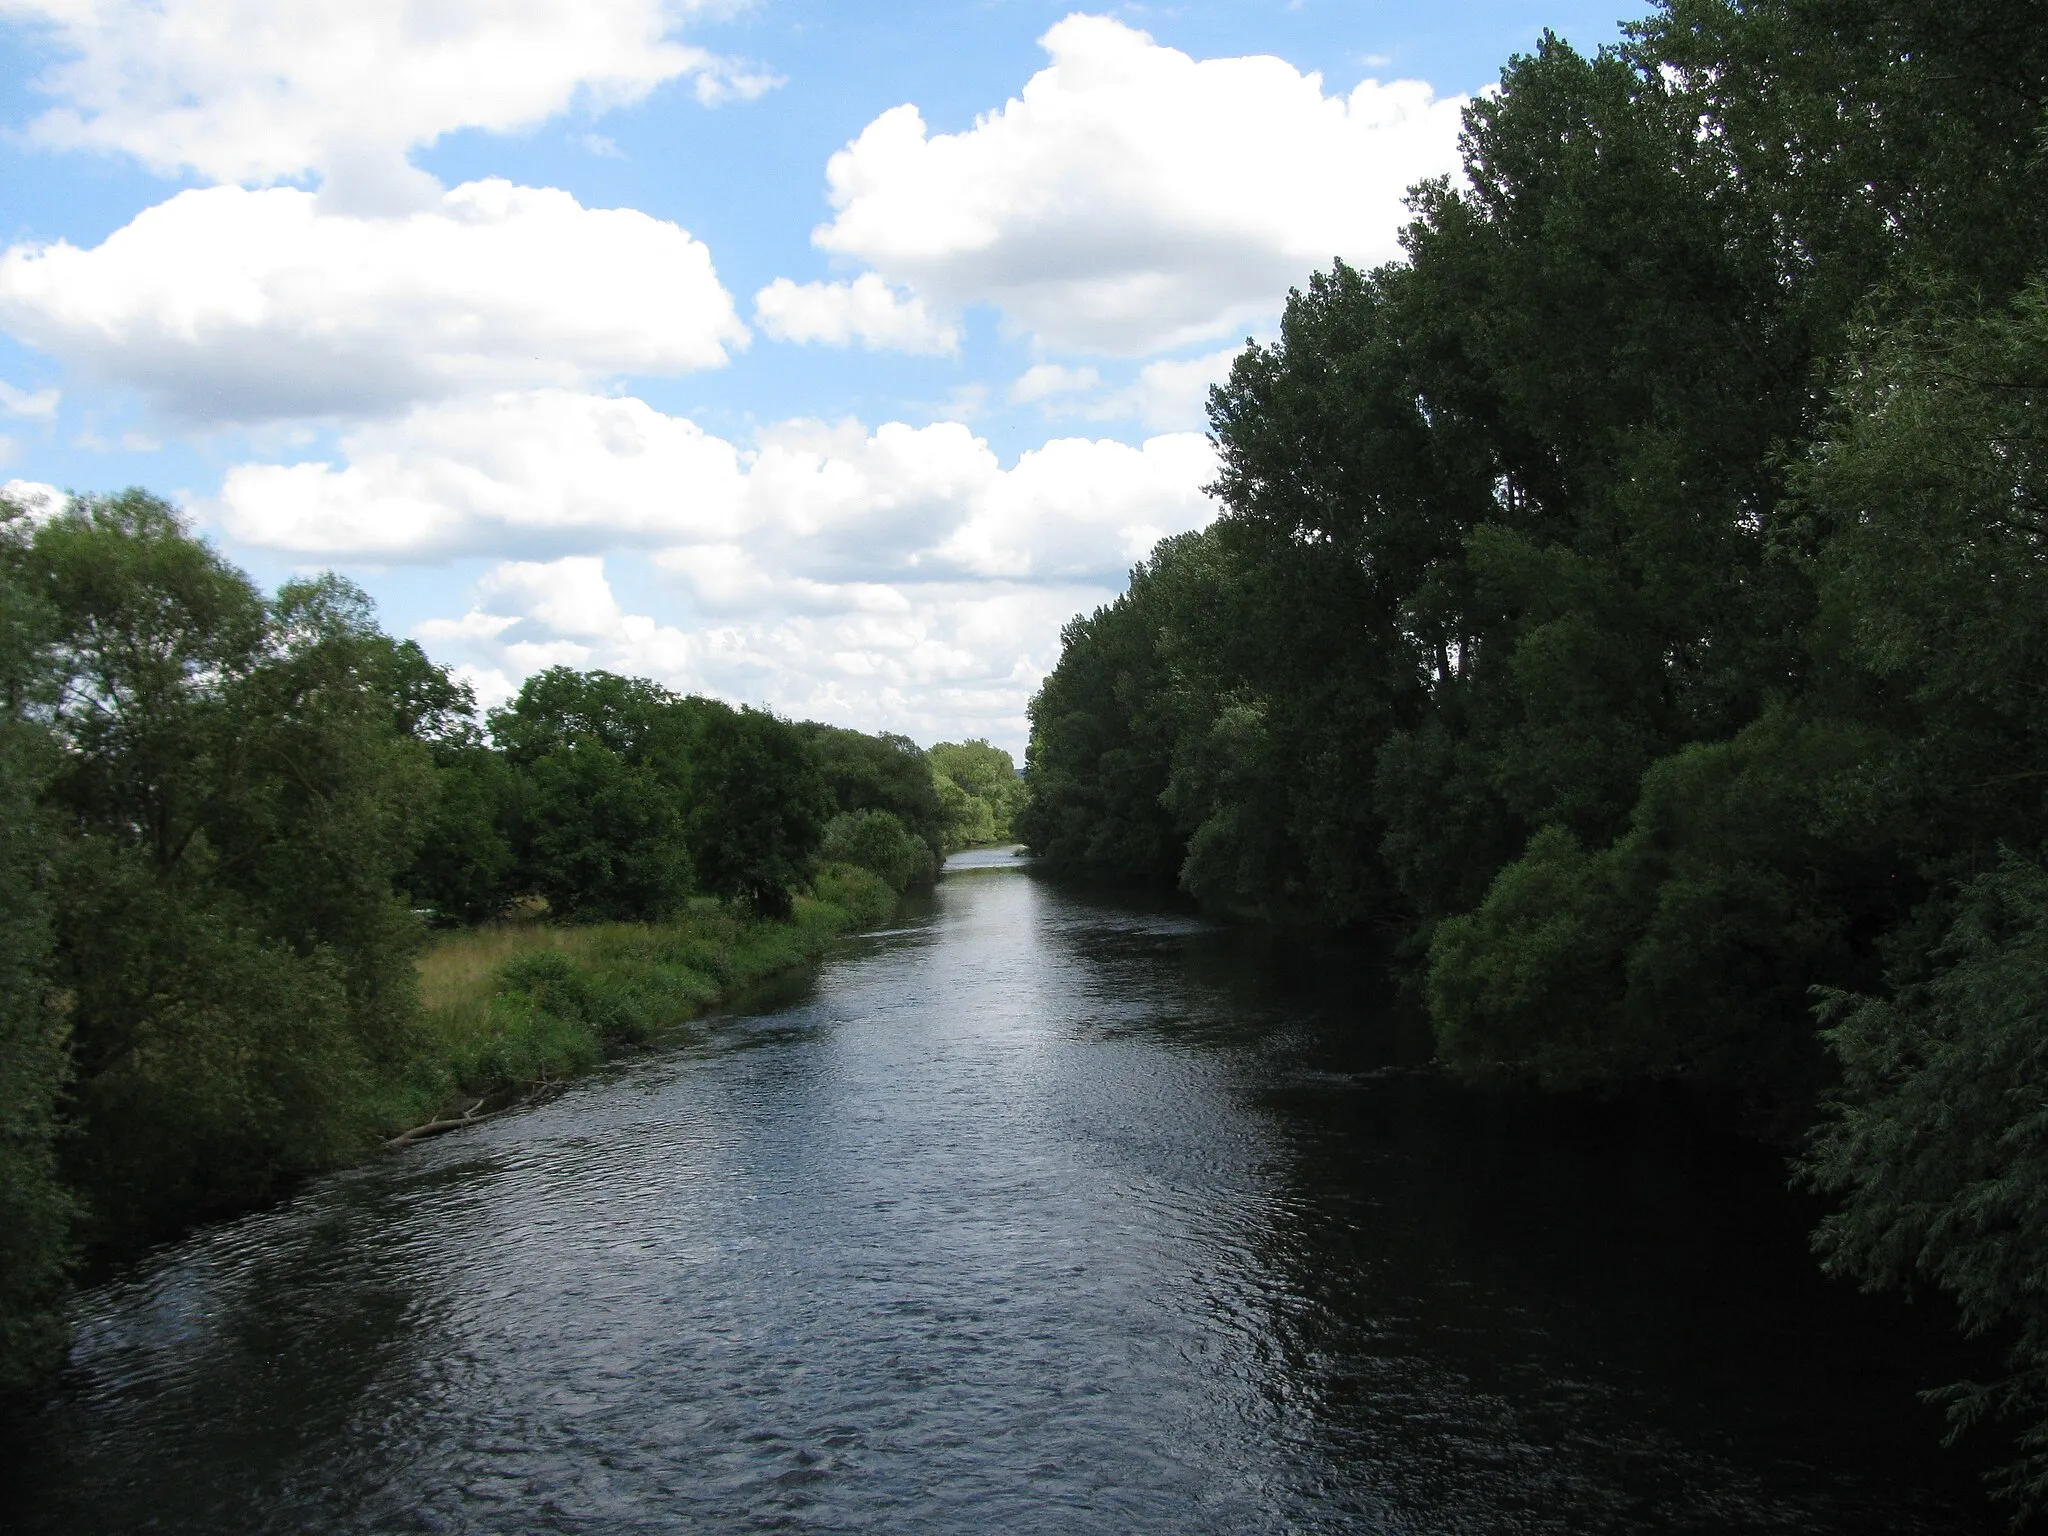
(1937, 1141)
(1639, 598)
(876, 841)
(979, 790)
(36, 1208)
(758, 807)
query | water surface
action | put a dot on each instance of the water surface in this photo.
(1039, 1213)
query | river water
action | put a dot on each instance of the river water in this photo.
(1039, 1213)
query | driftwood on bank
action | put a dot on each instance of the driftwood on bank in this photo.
(436, 1127)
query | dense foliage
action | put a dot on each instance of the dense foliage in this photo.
(1631, 604)
(979, 791)
(226, 818)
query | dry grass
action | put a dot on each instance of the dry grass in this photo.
(459, 971)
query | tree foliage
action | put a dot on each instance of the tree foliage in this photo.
(876, 841)
(978, 789)
(36, 1208)
(1631, 600)
(882, 773)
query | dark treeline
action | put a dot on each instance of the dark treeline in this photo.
(1630, 605)
(227, 819)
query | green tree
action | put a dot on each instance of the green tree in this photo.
(880, 773)
(466, 869)
(1936, 1144)
(758, 806)
(1101, 746)
(989, 793)
(235, 796)
(36, 1209)
(604, 793)
(877, 841)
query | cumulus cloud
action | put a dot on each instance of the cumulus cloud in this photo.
(1133, 199)
(1170, 395)
(537, 468)
(254, 91)
(866, 310)
(37, 405)
(902, 575)
(1047, 381)
(550, 471)
(941, 660)
(230, 305)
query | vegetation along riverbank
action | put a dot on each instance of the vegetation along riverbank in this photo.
(272, 894)
(1633, 603)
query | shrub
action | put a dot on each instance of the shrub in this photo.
(879, 842)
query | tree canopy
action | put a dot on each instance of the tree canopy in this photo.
(1629, 604)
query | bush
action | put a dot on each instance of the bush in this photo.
(879, 842)
(860, 897)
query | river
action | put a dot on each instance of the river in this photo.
(1037, 1213)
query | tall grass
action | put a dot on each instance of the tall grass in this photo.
(511, 1007)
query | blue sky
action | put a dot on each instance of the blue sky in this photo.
(823, 356)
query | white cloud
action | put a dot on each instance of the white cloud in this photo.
(554, 471)
(227, 305)
(1133, 199)
(1171, 395)
(945, 660)
(866, 310)
(1076, 508)
(41, 405)
(535, 469)
(257, 91)
(1044, 381)
(900, 576)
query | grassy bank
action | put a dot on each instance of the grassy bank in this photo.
(510, 1008)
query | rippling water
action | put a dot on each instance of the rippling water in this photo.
(1038, 1214)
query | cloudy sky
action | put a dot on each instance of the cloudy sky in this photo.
(823, 355)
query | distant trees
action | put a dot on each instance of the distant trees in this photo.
(1631, 604)
(979, 791)
(882, 773)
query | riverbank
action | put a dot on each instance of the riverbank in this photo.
(510, 1009)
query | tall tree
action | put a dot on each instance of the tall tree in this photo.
(36, 1209)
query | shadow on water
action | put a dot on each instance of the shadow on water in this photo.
(1038, 1212)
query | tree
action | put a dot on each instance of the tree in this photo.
(36, 1209)
(880, 773)
(989, 793)
(1101, 747)
(234, 795)
(603, 799)
(877, 841)
(1935, 1142)
(758, 806)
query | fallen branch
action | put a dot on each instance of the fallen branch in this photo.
(436, 1127)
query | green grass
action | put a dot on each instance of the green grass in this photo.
(511, 1007)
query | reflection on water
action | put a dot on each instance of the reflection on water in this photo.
(1036, 1214)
